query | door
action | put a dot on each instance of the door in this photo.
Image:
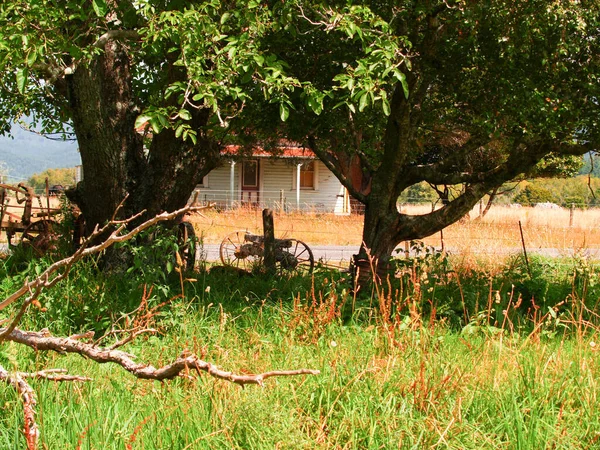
(250, 182)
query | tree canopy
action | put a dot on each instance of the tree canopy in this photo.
(176, 70)
(452, 93)
(388, 94)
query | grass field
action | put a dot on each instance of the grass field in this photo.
(428, 388)
(445, 354)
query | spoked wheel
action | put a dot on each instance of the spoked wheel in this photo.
(237, 252)
(41, 236)
(186, 241)
(298, 258)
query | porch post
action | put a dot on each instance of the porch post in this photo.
(298, 186)
(231, 184)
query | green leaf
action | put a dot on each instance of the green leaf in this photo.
(22, 79)
(178, 131)
(164, 121)
(386, 106)
(141, 120)
(231, 53)
(185, 114)
(363, 102)
(155, 124)
(100, 7)
(31, 58)
(260, 60)
(402, 79)
(315, 104)
(224, 17)
(284, 112)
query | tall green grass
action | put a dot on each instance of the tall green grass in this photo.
(440, 356)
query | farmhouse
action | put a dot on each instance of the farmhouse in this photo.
(290, 179)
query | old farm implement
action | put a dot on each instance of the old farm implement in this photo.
(27, 218)
(32, 221)
(247, 251)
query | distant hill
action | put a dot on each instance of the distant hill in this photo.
(28, 153)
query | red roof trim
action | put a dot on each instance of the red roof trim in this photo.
(280, 152)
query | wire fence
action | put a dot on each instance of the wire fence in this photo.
(280, 200)
(548, 229)
(503, 232)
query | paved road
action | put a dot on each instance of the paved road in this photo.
(337, 253)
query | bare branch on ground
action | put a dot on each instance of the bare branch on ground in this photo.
(44, 341)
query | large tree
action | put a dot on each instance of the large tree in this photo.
(460, 94)
(146, 87)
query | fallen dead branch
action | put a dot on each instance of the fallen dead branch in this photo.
(81, 344)
(43, 341)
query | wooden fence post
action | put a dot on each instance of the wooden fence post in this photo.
(524, 249)
(269, 240)
(571, 214)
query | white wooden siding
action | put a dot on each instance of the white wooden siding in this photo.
(278, 179)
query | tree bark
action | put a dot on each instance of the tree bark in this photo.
(104, 113)
(116, 163)
(385, 227)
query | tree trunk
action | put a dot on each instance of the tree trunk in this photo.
(104, 113)
(115, 162)
(385, 227)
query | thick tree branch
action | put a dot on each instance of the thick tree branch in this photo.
(29, 399)
(334, 165)
(522, 159)
(53, 375)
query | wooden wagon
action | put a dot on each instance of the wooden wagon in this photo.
(27, 218)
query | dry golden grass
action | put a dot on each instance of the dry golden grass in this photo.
(496, 232)
(313, 228)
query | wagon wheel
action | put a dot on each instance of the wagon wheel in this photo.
(186, 242)
(297, 258)
(237, 252)
(41, 236)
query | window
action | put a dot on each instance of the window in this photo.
(250, 175)
(307, 175)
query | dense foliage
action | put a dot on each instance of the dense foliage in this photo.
(463, 96)
(174, 71)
